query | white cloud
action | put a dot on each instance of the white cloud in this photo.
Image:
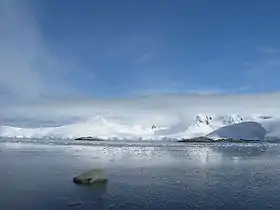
(146, 109)
(27, 68)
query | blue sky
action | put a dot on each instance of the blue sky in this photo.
(101, 49)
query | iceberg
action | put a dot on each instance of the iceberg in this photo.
(92, 176)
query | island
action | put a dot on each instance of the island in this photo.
(203, 139)
(88, 138)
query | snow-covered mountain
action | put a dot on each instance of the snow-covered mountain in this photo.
(243, 130)
(204, 124)
(97, 127)
(219, 120)
(211, 125)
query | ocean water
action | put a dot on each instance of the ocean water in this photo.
(142, 175)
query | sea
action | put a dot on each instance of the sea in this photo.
(38, 174)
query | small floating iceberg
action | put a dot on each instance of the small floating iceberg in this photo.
(93, 176)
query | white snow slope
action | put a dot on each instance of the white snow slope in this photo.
(244, 130)
(214, 126)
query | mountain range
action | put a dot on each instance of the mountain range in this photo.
(209, 125)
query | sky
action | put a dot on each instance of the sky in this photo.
(92, 50)
(109, 49)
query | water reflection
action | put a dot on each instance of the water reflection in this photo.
(137, 154)
(218, 153)
(88, 195)
(243, 151)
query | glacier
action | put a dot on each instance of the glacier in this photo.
(242, 131)
(214, 126)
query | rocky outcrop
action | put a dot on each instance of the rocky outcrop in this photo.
(93, 176)
(203, 139)
(197, 139)
(89, 138)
